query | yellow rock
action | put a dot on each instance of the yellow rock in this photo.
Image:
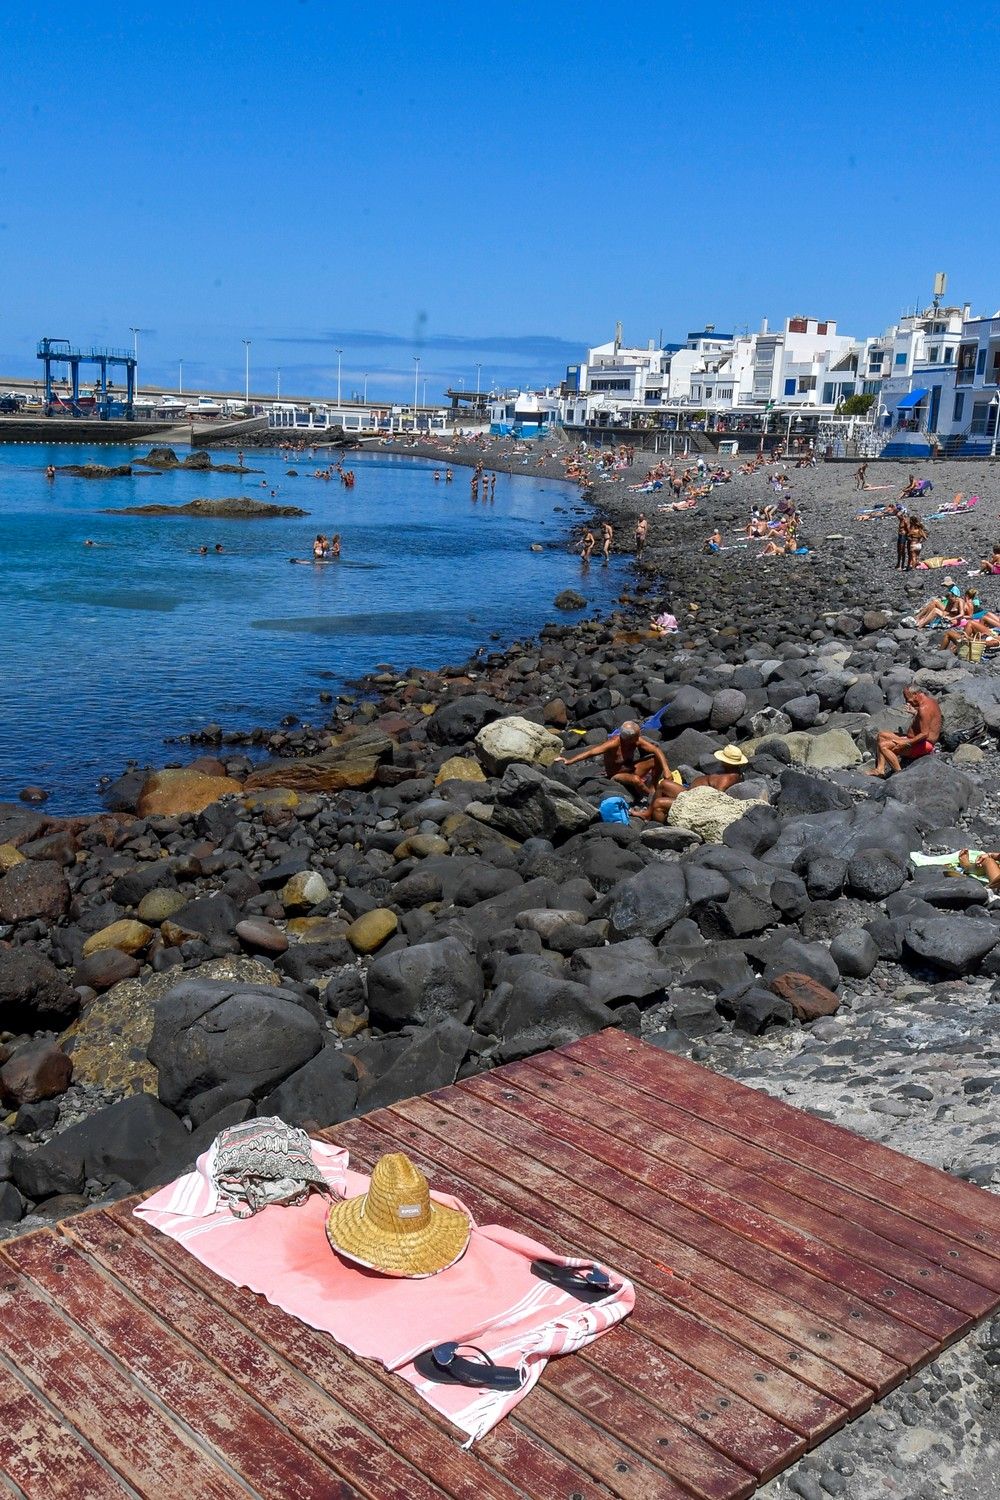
(347, 1023)
(421, 846)
(460, 768)
(126, 935)
(9, 857)
(159, 904)
(371, 930)
(171, 793)
(316, 929)
(273, 797)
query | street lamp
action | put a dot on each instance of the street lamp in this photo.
(246, 349)
(416, 387)
(180, 377)
(339, 353)
(364, 398)
(479, 371)
(278, 392)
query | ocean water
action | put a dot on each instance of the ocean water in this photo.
(106, 651)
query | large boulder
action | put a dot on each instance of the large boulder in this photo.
(40, 1070)
(36, 888)
(350, 760)
(530, 805)
(322, 1092)
(801, 793)
(688, 706)
(538, 1010)
(172, 793)
(109, 1042)
(833, 750)
(631, 970)
(460, 719)
(647, 903)
(226, 1040)
(874, 874)
(424, 983)
(31, 988)
(954, 944)
(728, 707)
(937, 791)
(121, 1143)
(707, 812)
(515, 739)
(429, 1059)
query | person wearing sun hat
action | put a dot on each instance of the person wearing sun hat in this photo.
(396, 1228)
(734, 761)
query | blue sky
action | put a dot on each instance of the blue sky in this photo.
(492, 185)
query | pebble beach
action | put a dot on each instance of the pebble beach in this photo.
(422, 841)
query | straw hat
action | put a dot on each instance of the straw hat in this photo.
(731, 756)
(394, 1227)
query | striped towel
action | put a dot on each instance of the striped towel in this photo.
(488, 1298)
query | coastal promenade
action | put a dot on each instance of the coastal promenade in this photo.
(787, 1275)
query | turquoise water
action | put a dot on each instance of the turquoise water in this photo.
(105, 651)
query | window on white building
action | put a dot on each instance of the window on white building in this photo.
(949, 355)
(959, 406)
(933, 355)
(901, 359)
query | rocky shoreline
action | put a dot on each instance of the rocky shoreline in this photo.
(414, 892)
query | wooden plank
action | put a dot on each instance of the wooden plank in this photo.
(924, 1315)
(42, 1456)
(609, 1408)
(704, 1152)
(780, 1330)
(739, 1429)
(699, 1231)
(259, 1450)
(733, 1135)
(295, 1404)
(116, 1418)
(952, 1195)
(383, 1402)
(781, 1394)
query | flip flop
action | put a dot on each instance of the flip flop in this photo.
(444, 1365)
(591, 1285)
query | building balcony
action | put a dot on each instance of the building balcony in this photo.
(966, 375)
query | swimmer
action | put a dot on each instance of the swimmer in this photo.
(333, 550)
(218, 547)
(319, 546)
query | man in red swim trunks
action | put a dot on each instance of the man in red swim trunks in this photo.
(920, 739)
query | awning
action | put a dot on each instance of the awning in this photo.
(912, 398)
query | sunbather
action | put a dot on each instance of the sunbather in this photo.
(986, 865)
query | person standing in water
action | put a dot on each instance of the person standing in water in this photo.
(641, 533)
(607, 537)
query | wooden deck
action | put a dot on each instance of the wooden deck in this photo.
(788, 1273)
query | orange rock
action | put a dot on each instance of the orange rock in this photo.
(169, 793)
(808, 999)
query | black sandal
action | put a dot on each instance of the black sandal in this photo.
(591, 1285)
(444, 1364)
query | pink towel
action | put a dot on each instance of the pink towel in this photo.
(489, 1298)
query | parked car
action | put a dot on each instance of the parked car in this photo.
(9, 404)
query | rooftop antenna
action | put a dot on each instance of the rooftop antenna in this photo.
(940, 283)
(618, 336)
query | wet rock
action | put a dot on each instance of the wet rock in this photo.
(36, 888)
(227, 1040)
(569, 599)
(350, 760)
(168, 793)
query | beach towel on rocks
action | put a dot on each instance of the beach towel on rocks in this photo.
(489, 1298)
